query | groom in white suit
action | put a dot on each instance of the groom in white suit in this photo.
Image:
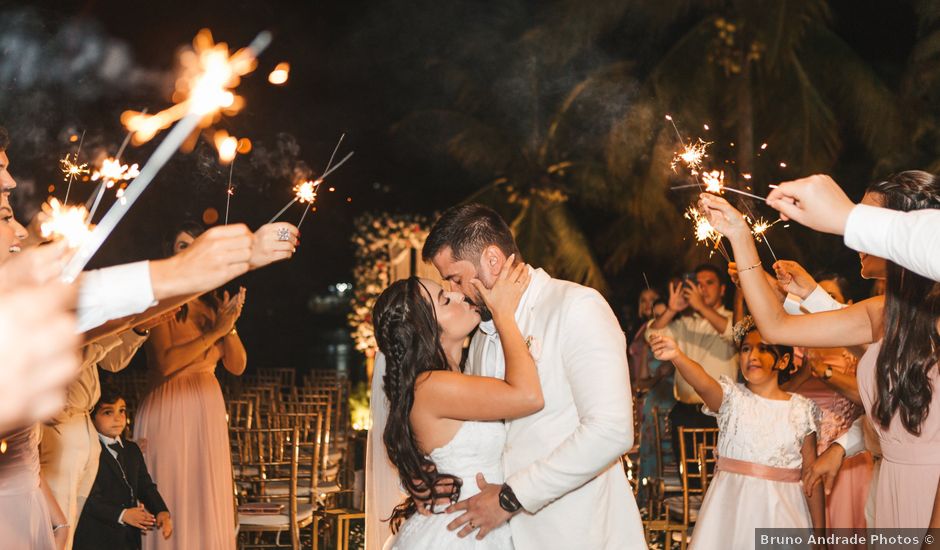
(565, 487)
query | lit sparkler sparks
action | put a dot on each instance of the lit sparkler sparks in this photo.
(714, 181)
(759, 230)
(691, 156)
(306, 191)
(203, 91)
(203, 88)
(66, 222)
(71, 168)
(112, 171)
(280, 73)
(704, 232)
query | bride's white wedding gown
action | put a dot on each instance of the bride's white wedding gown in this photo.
(476, 447)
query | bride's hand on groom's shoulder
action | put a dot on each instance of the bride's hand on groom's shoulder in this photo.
(503, 299)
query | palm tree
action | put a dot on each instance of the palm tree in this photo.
(749, 68)
(519, 125)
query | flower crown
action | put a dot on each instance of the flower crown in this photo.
(741, 330)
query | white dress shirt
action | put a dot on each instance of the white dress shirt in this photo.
(698, 339)
(108, 441)
(909, 239)
(112, 293)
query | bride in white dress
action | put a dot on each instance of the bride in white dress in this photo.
(444, 427)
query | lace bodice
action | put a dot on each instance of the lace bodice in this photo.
(761, 430)
(476, 447)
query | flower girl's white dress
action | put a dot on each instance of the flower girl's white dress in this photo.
(757, 483)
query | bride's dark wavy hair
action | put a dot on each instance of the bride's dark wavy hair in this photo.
(408, 333)
(909, 349)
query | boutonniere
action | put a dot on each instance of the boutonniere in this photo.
(535, 347)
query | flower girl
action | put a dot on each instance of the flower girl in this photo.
(765, 436)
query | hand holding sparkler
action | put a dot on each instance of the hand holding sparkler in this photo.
(792, 278)
(213, 259)
(273, 242)
(722, 217)
(815, 201)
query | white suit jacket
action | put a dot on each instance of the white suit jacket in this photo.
(563, 461)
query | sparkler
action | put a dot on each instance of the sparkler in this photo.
(71, 167)
(759, 230)
(66, 222)
(704, 232)
(306, 192)
(721, 190)
(203, 91)
(228, 149)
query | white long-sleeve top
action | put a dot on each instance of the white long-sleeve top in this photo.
(112, 293)
(909, 239)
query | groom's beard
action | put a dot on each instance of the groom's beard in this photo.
(485, 314)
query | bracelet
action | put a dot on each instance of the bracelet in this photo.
(60, 526)
(758, 264)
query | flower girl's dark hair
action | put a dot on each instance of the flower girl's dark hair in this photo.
(407, 332)
(746, 326)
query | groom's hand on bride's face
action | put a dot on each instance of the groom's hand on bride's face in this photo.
(481, 512)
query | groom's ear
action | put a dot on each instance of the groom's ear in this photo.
(492, 260)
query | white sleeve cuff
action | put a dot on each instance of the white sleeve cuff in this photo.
(121, 517)
(866, 229)
(820, 300)
(792, 304)
(112, 293)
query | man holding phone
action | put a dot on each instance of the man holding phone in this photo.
(701, 325)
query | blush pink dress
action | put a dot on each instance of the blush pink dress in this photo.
(25, 521)
(845, 506)
(183, 433)
(910, 468)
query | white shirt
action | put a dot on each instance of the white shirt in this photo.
(108, 441)
(699, 340)
(909, 239)
(112, 293)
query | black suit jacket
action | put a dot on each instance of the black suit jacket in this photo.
(98, 526)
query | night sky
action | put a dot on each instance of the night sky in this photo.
(357, 67)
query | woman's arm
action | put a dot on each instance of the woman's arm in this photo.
(817, 502)
(234, 356)
(665, 349)
(58, 518)
(448, 394)
(173, 356)
(853, 325)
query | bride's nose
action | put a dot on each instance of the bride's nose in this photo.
(455, 296)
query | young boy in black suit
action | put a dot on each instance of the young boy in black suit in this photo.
(123, 499)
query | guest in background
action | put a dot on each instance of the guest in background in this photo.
(639, 349)
(181, 427)
(124, 500)
(655, 380)
(701, 325)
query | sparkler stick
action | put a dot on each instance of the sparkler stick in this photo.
(731, 189)
(228, 192)
(211, 91)
(73, 168)
(327, 171)
(282, 210)
(99, 190)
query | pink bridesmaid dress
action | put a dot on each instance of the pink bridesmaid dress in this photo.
(25, 521)
(183, 433)
(845, 506)
(910, 468)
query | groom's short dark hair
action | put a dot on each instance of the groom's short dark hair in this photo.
(468, 229)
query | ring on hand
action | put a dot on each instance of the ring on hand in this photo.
(283, 234)
(472, 526)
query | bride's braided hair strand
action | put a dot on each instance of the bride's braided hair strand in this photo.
(407, 332)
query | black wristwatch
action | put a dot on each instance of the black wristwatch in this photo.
(508, 500)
